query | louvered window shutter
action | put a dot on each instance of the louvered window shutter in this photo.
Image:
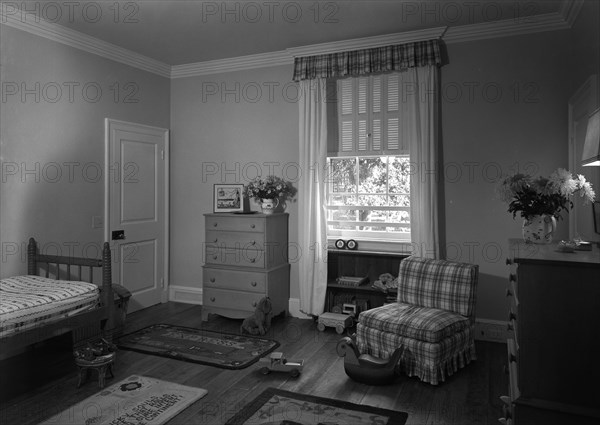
(369, 116)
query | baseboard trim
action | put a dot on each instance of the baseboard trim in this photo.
(491, 330)
(485, 329)
(185, 294)
(294, 309)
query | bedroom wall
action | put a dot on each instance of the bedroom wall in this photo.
(504, 111)
(226, 128)
(504, 108)
(55, 99)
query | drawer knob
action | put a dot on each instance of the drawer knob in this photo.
(253, 243)
(512, 358)
(512, 277)
(253, 260)
(254, 304)
(215, 257)
(512, 316)
(212, 279)
(510, 327)
(509, 261)
(212, 299)
(253, 283)
(216, 240)
(509, 293)
(215, 224)
(252, 226)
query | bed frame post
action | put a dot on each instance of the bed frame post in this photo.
(32, 257)
(109, 302)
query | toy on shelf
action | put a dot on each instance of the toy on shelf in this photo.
(335, 320)
(277, 363)
(365, 368)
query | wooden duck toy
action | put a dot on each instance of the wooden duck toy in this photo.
(365, 368)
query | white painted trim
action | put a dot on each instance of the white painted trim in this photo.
(491, 330)
(294, 309)
(570, 10)
(508, 27)
(232, 64)
(167, 258)
(185, 294)
(109, 124)
(367, 42)
(84, 42)
(589, 90)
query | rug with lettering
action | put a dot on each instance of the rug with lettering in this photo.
(220, 349)
(137, 400)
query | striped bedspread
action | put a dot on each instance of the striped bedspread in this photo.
(30, 301)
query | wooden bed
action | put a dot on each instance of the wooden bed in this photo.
(98, 320)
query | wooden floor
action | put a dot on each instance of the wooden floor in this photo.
(468, 397)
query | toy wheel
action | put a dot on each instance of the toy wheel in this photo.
(264, 370)
(295, 373)
(339, 329)
(321, 327)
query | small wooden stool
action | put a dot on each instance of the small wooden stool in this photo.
(101, 366)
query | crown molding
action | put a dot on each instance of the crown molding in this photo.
(570, 10)
(78, 40)
(367, 42)
(506, 28)
(239, 63)
(563, 19)
(286, 57)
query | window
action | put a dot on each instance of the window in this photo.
(368, 190)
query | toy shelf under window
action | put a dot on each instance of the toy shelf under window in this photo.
(370, 264)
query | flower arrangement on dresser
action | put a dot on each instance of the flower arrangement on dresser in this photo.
(541, 200)
(270, 191)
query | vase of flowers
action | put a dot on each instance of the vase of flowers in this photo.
(540, 200)
(271, 192)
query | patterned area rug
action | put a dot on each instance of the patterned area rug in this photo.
(137, 400)
(279, 407)
(228, 351)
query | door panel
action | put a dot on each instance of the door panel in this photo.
(138, 185)
(137, 202)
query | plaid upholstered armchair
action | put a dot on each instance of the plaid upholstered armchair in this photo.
(433, 318)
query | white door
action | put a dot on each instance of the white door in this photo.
(136, 209)
(581, 104)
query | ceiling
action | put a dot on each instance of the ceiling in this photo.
(179, 32)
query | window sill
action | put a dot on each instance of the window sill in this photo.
(375, 246)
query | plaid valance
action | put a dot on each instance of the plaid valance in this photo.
(368, 61)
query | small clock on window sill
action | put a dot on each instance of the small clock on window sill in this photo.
(340, 244)
(352, 244)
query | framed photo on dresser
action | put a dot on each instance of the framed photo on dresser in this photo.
(228, 198)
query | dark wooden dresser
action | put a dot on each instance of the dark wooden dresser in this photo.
(554, 336)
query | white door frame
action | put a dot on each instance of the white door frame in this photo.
(107, 206)
(587, 93)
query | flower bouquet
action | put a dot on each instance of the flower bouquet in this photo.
(269, 191)
(541, 200)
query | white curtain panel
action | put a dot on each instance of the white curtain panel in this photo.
(312, 232)
(419, 118)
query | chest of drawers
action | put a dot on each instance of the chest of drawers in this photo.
(245, 259)
(554, 336)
